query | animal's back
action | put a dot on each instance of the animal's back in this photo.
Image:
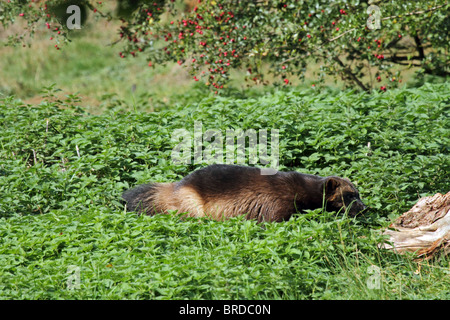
(224, 191)
(219, 192)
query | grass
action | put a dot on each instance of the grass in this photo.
(91, 67)
(125, 256)
(62, 171)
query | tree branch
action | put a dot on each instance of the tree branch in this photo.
(350, 73)
(419, 47)
(394, 58)
(416, 12)
(388, 18)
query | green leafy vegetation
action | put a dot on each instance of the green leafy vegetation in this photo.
(366, 45)
(62, 171)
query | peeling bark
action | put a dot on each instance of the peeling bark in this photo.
(425, 229)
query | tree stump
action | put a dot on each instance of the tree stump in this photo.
(424, 229)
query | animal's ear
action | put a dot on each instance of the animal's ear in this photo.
(331, 184)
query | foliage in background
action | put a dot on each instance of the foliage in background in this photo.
(215, 37)
(62, 172)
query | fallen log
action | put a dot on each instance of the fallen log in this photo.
(424, 229)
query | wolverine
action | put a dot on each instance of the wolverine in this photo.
(222, 191)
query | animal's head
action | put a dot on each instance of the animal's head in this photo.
(341, 194)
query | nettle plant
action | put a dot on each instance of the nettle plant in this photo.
(272, 41)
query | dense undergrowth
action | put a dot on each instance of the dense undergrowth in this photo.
(62, 171)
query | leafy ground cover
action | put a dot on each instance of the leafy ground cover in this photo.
(62, 171)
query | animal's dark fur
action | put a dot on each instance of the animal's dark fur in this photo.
(224, 191)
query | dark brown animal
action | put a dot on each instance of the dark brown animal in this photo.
(225, 191)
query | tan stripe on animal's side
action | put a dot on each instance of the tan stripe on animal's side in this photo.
(190, 201)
